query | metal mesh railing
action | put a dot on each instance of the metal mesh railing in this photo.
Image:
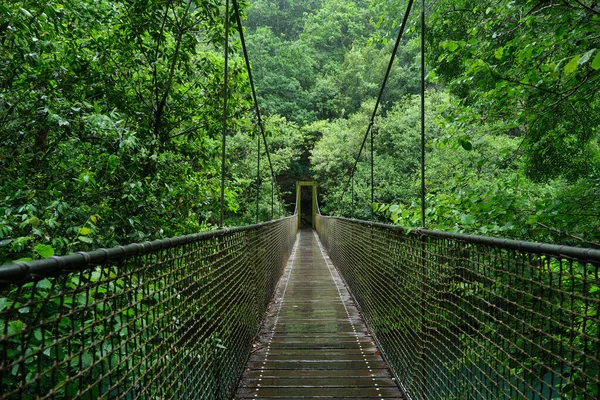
(170, 319)
(465, 317)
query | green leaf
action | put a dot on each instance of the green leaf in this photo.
(113, 162)
(27, 13)
(44, 284)
(44, 250)
(86, 360)
(499, 53)
(394, 208)
(85, 239)
(375, 206)
(96, 275)
(15, 327)
(467, 219)
(82, 299)
(572, 65)
(586, 57)
(34, 221)
(596, 62)
(85, 231)
(452, 46)
(466, 144)
(3, 303)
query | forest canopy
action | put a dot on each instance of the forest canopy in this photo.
(111, 115)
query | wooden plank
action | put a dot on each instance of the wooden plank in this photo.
(295, 352)
(311, 392)
(322, 397)
(325, 382)
(317, 345)
(315, 364)
(316, 356)
(310, 375)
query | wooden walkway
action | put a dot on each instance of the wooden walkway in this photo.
(314, 343)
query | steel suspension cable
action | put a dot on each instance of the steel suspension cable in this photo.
(224, 139)
(257, 174)
(424, 338)
(379, 96)
(372, 175)
(423, 113)
(255, 99)
(352, 202)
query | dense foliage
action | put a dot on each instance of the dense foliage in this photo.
(512, 110)
(531, 66)
(111, 116)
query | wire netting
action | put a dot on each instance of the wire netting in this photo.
(466, 317)
(170, 319)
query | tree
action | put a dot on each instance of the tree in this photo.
(284, 17)
(534, 66)
(333, 29)
(111, 112)
(285, 74)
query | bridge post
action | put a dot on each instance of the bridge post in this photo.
(299, 185)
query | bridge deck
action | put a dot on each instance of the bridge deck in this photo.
(314, 343)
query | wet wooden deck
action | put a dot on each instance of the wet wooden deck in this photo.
(314, 343)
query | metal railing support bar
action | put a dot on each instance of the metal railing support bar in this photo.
(257, 174)
(372, 176)
(224, 138)
(423, 113)
(376, 108)
(254, 97)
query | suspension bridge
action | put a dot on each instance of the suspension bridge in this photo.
(352, 309)
(305, 306)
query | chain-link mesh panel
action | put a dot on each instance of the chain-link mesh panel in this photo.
(171, 319)
(465, 317)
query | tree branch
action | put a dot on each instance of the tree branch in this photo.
(590, 9)
(157, 51)
(541, 89)
(160, 106)
(186, 131)
(595, 244)
(565, 95)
